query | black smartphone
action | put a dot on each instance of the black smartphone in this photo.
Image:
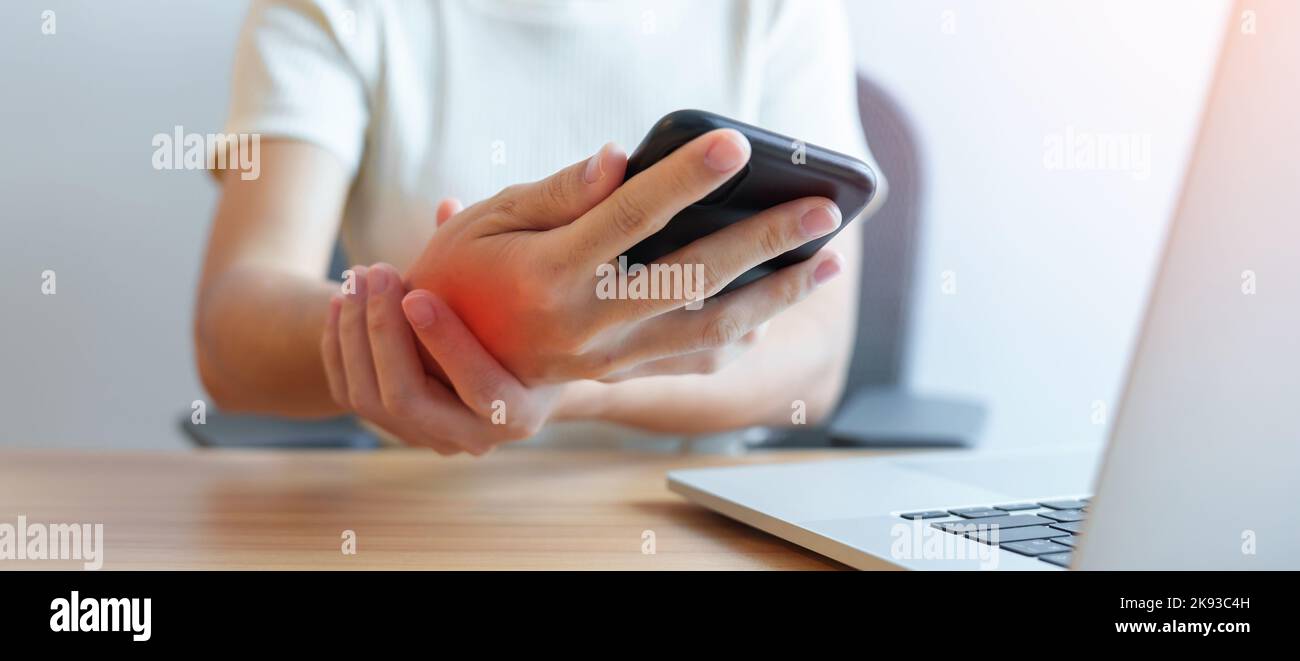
(781, 169)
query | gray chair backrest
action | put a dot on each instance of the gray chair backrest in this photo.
(338, 262)
(889, 244)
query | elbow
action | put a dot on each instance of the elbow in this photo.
(812, 405)
(219, 394)
(834, 391)
(820, 413)
(821, 407)
(222, 392)
(207, 360)
(823, 392)
(205, 365)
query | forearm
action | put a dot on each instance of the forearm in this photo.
(783, 374)
(257, 340)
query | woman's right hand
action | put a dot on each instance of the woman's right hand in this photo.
(521, 268)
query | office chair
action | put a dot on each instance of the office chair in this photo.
(877, 408)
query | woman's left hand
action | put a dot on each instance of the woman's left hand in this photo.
(371, 361)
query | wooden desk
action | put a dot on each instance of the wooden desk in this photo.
(519, 508)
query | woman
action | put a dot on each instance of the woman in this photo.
(378, 116)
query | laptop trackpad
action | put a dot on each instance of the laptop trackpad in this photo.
(1027, 474)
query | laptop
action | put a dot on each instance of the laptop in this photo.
(1201, 469)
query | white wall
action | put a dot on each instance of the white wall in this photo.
(1051, 267)
(106, 360)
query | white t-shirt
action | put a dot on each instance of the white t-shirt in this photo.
(424, 99)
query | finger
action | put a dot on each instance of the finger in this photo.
(332, 354)
(421, 438)
(482, 383)
(423, 412)
(722, 256)
(403, 388)
(642, 205)
(410, 434)
(363, 389)
(442, 422)
(439, 419)
(444, 449)
(728, 318)
(447, 422)
(448, 207)
(560, 198)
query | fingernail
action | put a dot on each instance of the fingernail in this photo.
(826, 270)
(820, 221)
(594, 169)
(419, 311)
(729, 151)
(379, 281)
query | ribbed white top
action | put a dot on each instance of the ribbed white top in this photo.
(422, 100)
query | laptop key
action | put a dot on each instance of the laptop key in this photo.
(1017, 507)
(1071, 526)
(1064, 516)
(976, 512)
(928, 514)
(1068, 541)
(1058, 559)
(1033, 547)
(1008, 521)
(1064, 504)
(1005, 535)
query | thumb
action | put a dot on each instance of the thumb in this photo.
(478, 379)
(564, 196)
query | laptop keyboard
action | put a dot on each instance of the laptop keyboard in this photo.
(1046, 530)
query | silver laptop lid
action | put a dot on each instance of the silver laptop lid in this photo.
(1203, 467)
